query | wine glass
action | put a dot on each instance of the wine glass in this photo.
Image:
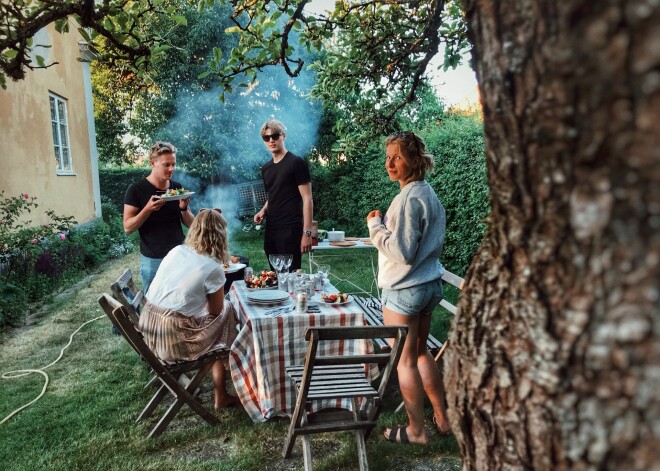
(288, 260)
(275, 261)
(324, 270)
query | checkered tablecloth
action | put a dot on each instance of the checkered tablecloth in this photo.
(266, 345)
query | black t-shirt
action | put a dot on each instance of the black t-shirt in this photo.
(162, 231)
(281, 181)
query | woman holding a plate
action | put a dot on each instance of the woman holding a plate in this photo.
(409, 240)
(186, 315)
(157, 220)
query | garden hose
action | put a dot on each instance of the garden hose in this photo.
(21, 373)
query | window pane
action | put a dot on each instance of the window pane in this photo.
(57, 158)
(61, 111)
(56, 135)
(53, 113)
(66, 159)
(63, 136)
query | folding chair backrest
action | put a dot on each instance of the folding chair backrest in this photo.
(330, 377)
(385, 360)
(126, 292)
(120, 318)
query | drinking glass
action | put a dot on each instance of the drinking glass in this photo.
(288, 260)
(324, 270)
(275, 261)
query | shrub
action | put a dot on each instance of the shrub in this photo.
(345, 192)
(115, 181)
(34, 261)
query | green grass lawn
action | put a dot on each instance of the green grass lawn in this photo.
(86, 418)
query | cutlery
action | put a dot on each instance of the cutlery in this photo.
(278, 310)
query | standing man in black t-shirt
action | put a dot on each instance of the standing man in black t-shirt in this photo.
(289, 205)
(157, 221)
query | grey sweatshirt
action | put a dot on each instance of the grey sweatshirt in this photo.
(410, 238)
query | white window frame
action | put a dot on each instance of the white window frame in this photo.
(60, 128)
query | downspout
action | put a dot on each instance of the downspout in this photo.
(87, 55)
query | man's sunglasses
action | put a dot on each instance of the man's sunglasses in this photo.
(217, 210)
(269, 137)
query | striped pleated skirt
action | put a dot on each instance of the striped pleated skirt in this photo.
(173, 336)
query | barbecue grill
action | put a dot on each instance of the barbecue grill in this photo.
(251, 198)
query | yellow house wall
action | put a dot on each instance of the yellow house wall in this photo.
(26, 136)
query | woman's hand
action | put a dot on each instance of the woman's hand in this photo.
(373, 214)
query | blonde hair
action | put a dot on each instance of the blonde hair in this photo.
(274, 125)
(160, 148)
(414, 151)
(208, 235)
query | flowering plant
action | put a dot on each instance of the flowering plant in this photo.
(16, 234)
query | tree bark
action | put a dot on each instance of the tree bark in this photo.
(554, 358)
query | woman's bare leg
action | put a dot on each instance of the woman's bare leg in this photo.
(222, 396)
(431, 376)
(410, 381)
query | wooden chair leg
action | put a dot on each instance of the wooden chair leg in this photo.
(184, 396)
(298, 416)
(153, 403)
(153, 383)
(307, 446)
(359, 439)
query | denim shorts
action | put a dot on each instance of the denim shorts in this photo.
(420, 299)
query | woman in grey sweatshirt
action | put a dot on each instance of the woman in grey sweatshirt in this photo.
(409, 240)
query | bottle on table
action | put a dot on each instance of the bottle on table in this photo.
(301, 302)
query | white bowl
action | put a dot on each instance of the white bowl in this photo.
(335, 236)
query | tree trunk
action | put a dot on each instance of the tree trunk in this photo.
(555, 354)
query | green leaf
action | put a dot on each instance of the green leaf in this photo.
(180, 20)
(10, 53)
(83, 32)
(160, 49)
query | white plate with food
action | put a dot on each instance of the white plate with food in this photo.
(270, 296)
(336, 299)
(175, 197)
(233, 267)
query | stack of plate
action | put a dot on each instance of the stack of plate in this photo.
(270, 296)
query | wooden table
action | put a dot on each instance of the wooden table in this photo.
(267, 344)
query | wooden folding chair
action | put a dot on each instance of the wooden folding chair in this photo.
(340, 377)
(126, 292)
(172, 375)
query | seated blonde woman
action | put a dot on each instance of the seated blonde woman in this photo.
(186, 315)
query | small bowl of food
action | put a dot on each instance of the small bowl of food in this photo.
(267, 279)
(335, 298)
